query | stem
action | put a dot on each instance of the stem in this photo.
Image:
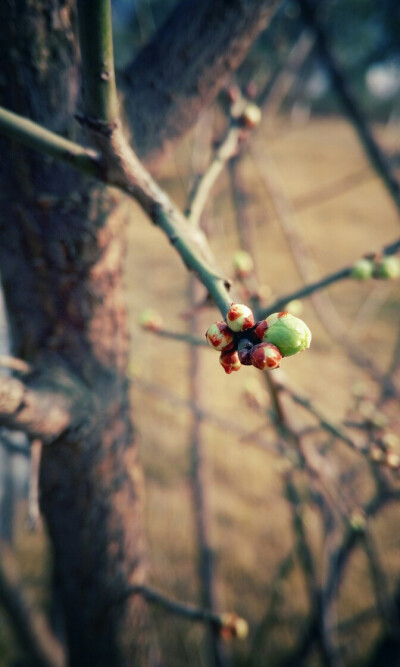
(35, 136)
(320, 284)
(100, 98)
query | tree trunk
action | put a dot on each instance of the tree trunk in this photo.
(61, 253)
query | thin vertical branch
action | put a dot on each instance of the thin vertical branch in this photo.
(100, 98)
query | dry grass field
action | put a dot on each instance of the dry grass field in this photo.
(251, 518)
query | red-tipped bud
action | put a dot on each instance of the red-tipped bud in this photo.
(266, 355)
(150, 320)
(232, 626)
(239, 317)
(261, 328)
(230, 361)
(219, 336)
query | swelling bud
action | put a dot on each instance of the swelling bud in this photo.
(363, 269)
(243, 263)
(388, 268)
(266, 355)
(219, 336)
(239, 317)
(289, 333)
(250, 117)
(150, 320)
(230, 361)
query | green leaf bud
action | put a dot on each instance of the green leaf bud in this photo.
(388, 268)
(243, 263)
(363, 269)
(289, 333)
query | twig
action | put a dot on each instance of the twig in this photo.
(35, 136)
(226, 621)
(331, 278)
(14, 364)
(96, 44)
(200, 488)
(190, 339)
(33, 497)
(351, 108)
(202, 188)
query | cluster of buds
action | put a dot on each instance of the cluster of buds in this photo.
(242, 341)
(386, 267)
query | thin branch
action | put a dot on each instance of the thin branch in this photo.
(33, 497)
(95, 37)
(372, 149)
(325, 423)
(196, 341)
(233, 624)
(45, 404)
(14, 364)
(35, 136)
(331, 278)
(31, 628)
(202, 188)
(184, 67)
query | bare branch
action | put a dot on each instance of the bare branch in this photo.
(372, 149)
(201, 191)
(229, 622)
(29, 625)
(35, 136)
(331, 278)
(45, 404)
(183, 69)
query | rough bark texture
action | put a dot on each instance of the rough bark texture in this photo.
(185, 66)
(61, 251)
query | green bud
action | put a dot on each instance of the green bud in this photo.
(388, 268)
(243, 263)
(363, 269)
(150, 320)
(289, 333)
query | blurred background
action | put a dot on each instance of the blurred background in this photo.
(280, 505)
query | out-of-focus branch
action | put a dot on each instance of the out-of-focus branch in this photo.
(229, 622)
(30, 627)
(202, 188)
(188, 62)
(45, 404)
(349, 103)
(318, 285)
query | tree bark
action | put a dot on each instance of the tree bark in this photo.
(61, 254)
(185, 66)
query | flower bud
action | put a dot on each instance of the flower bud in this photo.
(251, 116)
(393, 460)
(358, 521)
(363, 269)
(244, 351)
(233, 626)
(388, 268)
(289, 333)
(265, 355)
(150, 320)
(219, 336)
(239, 317)
(230, 361)
(243, 263)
